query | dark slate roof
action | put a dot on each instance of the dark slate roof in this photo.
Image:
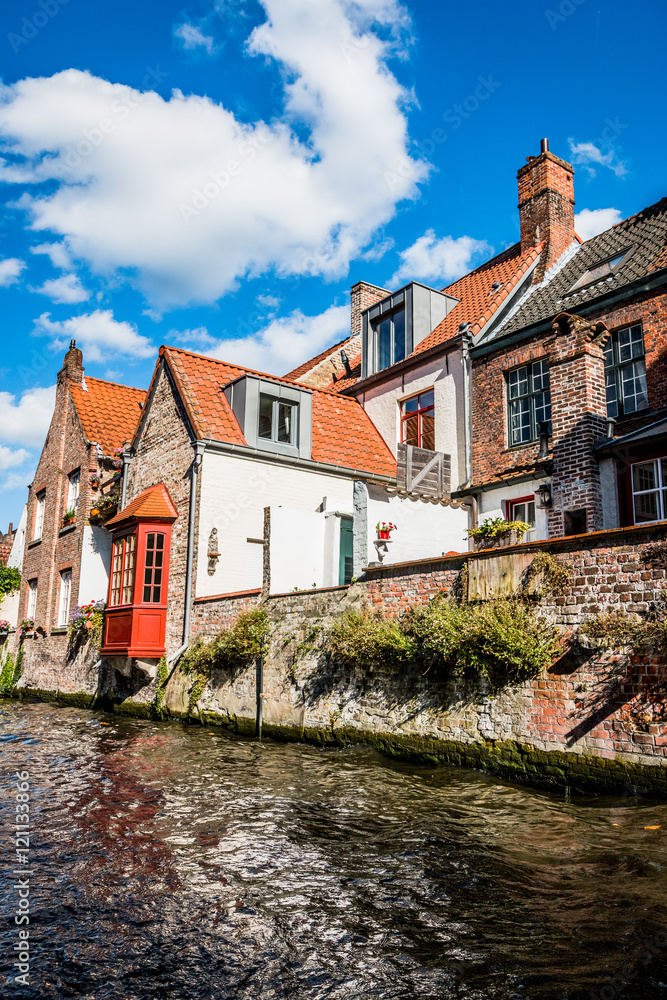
(644, 234)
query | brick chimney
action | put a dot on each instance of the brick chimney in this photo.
(546, 206)
(72, 369)
(363, 295)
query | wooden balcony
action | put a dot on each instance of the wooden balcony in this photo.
(422, 472)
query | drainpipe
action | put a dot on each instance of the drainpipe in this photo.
(199, 451)
(466, 341)
(126, 469)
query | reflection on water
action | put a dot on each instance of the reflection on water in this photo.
(174, 862)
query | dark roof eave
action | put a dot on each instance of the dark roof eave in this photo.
(635, 287)
(538, 472)
(413, 361)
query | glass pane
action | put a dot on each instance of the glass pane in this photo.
(410, 405)
(399, 335)
(609, 352)
(644, 476)
(149, 558)
(646, 507)
(383, 348)
(540, 376)
(611, 392)
(428, 430)
(285, 422)
(633, 378)
(543, 409)
(636, 342)
(156, 595)
(411, 430)
(150, 541)
(147, 595)
(159, 541)
(157, 577)
(427, 399)
(520, 421)
(148, 576)
(518, 382)
(158, 558)
(663, 463)
(265, 416)
(624, 348)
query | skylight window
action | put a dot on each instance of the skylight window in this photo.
(600, 271)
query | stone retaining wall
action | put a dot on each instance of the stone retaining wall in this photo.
(594, 719)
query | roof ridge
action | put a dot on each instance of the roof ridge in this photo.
(119, 385)
(247, 371)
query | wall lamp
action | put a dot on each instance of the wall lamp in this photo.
(543, 496)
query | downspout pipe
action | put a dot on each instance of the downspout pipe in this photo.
(194, 472)
(466, 343)
(127, 458)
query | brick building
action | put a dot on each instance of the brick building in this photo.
(76, 487)
(569, 388)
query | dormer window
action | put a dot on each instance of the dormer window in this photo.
(272, 416)
(604, 269)
(394, 327)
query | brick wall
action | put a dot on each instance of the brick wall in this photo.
(165, 455)
(211, 614)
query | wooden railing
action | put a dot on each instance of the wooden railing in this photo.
(423, 472)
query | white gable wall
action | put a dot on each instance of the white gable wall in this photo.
(234, 492)
(445, 377)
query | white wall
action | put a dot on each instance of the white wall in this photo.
(9, 605)
(95, 562)
(491, 504)
(423, 529)
(445, 377)
(234, 492)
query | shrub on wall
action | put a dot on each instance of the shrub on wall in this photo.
(616, 628)
(361, 637)
(233, 648)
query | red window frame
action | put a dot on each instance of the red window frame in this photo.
(419, 414)
(135, 621)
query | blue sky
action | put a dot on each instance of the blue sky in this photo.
(216, 175)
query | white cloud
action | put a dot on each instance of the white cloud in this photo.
(26, 420)
(591, 221)
(67, 289)
(194, 38)
(10, 269)
(9, 458)
(286, 342)
(98, 333)
(438, 261)
(198, 339)
(57, 254)
(586, 153)
(302, 194)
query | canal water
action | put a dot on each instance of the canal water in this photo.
(180, 862)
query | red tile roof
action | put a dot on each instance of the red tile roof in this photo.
(477, 302)
(343, 434)
(109, 413)
(153, 504)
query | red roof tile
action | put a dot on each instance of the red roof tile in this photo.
(109, 413)
(343, 434)
(153, 504)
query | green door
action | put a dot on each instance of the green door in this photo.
(345, 560)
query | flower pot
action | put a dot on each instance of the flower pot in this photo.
(383, 534)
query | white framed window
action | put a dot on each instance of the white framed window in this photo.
(63, 602)
(649, 491)
(523, 510)
(277, 420)
(73, 484)
(39, 515)
(32, 598)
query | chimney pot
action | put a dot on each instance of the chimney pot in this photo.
(544, 146)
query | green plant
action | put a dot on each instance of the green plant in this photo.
(503, 641)
(369, 639)
(492, 527)
(27, 625)
(70, 514)
(617, 628)
(10, 580)
(232, 648)
(555, 576)
(11, 672)
(161, 678)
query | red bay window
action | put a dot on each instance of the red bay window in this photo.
(136, 615)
